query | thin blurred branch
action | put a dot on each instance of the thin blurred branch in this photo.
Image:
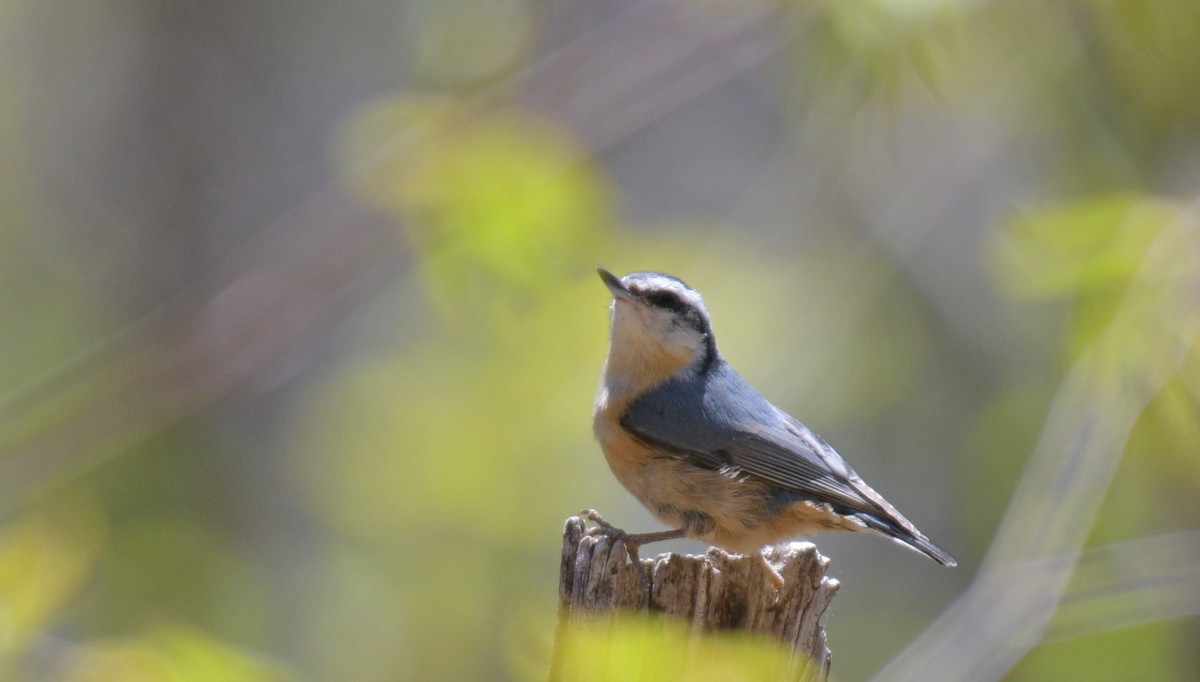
(1009, 606)
(252, 322)
(1129, 583)
(643, 64)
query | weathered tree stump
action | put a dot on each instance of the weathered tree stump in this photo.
(714, 592)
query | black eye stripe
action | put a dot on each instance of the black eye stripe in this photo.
(669, 300)
(654, 289)
(687, 312)
(665, 299)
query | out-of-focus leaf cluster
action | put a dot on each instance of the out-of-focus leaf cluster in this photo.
(47, 560)
(493, 204)
(641, 648)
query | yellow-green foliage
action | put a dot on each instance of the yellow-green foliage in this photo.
(644, 649)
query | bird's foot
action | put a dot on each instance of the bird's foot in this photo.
(632, 541)
(610, 531)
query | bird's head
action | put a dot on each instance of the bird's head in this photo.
(659, 325)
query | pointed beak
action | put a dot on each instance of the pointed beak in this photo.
(614, 285)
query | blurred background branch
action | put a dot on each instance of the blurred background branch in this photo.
(1130, 583)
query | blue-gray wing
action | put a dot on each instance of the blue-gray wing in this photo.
(720, 422)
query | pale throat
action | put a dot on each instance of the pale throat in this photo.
(639, 359)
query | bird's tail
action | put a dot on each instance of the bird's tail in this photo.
(912, 540)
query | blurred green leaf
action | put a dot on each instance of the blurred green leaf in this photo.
(1149, 652)
(169, 654)
(1096, 244)
(644, 649)
(495, 205)
(45, 558)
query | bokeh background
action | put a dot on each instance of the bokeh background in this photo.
(300, 329)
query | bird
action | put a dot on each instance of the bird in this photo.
(704, 452)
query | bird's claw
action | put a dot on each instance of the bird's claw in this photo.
(774, 578)
(632, 545)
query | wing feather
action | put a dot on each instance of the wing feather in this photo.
(718, 420)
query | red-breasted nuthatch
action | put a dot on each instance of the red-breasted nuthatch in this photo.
(703, 451)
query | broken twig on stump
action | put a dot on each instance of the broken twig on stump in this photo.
(717, 591)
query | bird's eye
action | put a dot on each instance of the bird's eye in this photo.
(664, 299)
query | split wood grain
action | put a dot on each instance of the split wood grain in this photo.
(714, 592)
